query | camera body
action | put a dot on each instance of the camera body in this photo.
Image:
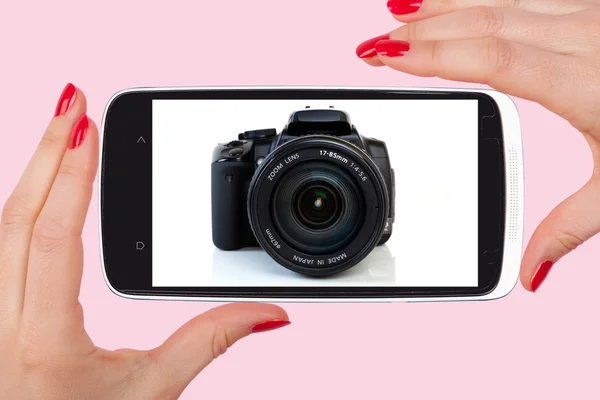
(236, 165)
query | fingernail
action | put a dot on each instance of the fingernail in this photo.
(269, 326)
(400, 7)
(540, 275)
(392, 48)
(367, 48)
(66, 99)
(79, 131)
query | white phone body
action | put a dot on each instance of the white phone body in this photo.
(513, 239)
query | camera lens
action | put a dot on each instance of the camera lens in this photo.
(316, 207)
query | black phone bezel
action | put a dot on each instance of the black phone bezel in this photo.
(126, 194)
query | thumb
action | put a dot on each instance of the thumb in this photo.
(570, 224)
(198, 342)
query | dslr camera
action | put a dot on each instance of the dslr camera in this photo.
(317, 197)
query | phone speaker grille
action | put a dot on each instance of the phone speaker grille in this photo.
(513, 195)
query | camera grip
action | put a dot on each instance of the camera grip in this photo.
(230, 226)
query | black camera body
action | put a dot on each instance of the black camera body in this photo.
(345, 175)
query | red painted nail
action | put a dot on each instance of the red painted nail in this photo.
(367, 48)
(400, 7)
(540, 275)
(392, 48)
(79, 131)
(66, 99)
(269, 326)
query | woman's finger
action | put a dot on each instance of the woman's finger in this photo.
(26, 201)
(412, 10)
(56, 254)
(374, 62)
(564, 34)
(196, 344)
(366, 50)
(513, 68)
(570, 224)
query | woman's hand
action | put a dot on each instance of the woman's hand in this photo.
(44, 350)
(546, 51)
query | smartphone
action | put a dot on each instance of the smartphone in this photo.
(311, 194)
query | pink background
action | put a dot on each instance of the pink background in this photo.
(523, 346)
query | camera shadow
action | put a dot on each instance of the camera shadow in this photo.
(254, 267)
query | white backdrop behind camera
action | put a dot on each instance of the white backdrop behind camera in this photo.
(433, 150)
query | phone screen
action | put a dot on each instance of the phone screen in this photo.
(433, 149)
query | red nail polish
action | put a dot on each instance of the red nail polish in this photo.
(269, 326)
(66, 100)
(79, 131)
(540, 275)
(392, 48)
(400, 7)
(367, 48)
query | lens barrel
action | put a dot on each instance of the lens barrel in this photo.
(318, 205)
